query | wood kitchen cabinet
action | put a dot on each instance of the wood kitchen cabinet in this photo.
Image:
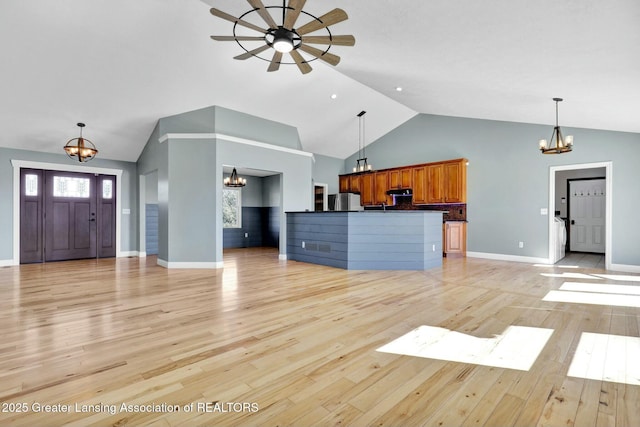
(455, 181)
(349, 183)
(344, 185)
(367, 189)
(381, 185)
(373, 190)
(454, 238)
(420, 184)
(447, 182)
(435, 183)
(432, 183)
(400, 178)
(355, 181)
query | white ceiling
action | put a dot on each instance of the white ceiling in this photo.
(120, 65)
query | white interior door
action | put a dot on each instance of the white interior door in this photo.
(587, 215)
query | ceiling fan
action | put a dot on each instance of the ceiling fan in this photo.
(286, 37)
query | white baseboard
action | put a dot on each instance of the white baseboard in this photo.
(282, 257)
(503, 257)
(142, 254)
(125, 254)
(6, 263)
(626, 268)
(194, 265)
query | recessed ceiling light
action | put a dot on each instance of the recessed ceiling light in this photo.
(398, 89)
(334, 96)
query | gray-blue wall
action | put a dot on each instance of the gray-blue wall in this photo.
(154, 162)
(508, 177)
(189, 162)
(326, 170)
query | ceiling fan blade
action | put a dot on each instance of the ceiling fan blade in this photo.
(334, 40)
(321, 54)
(275, 62)
(262, 11)
(253, 52)
(293, 11)
(231, 18)
(300, 62)
(330, 18)
(237, 38)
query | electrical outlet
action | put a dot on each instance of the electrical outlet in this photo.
(433, 248)
(302, 245)
(246, 234)
(521, 245)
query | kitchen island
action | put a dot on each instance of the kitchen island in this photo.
(366, 240)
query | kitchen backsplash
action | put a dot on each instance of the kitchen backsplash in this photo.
(453, 212)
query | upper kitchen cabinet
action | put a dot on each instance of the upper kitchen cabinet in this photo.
(420, 184)
(367, 189)
(400, 179)
(381, 187)
(355, 183)
(373, 190)
(349, 183)
(447, 182)
(344, 185)
(431, 183)
(435, 183)
(455, 181)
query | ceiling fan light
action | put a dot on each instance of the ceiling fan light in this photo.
(283, 44)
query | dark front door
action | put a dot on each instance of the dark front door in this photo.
(106, 221)
(66, 215)
(70, 216)
(31, 214)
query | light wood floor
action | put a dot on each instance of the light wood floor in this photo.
(292, 344)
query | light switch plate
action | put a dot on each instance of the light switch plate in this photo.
(544, 211)
(126, 211)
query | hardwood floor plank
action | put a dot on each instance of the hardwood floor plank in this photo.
(298, 342)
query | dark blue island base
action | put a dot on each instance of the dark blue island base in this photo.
(366, 240)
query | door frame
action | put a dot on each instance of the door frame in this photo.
(18, 164)
(608, 197)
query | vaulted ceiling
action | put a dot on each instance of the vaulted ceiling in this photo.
(120, 65)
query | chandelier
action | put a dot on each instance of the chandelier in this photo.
(234, 180)
(80, 147)
(557, 144)
(361, 163)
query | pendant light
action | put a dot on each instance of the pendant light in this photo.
(80, 148)
(234, 180)
(361, 163)
(557, 144)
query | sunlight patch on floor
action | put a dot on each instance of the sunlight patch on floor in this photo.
(608, 358)
(517, 347)
(571, 275)
(620, 277)
(556, 265)
(595, 298)
(605, 288)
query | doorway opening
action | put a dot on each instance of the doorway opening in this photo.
(252, 214)
(66, 215)
(320, 197)
(588, 222)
